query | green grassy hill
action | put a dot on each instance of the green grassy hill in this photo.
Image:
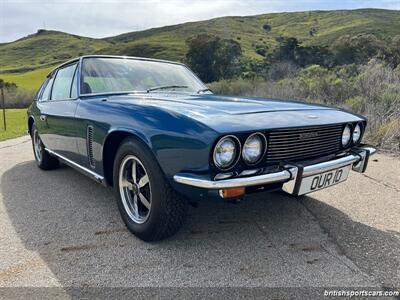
(45, 48)
(26, 60)
(30, 80)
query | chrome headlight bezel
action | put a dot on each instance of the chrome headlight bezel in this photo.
(264, 146)
(236, 156)
(350, 134)
(358, 140)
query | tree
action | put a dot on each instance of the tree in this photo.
(356, 49)
(5, 86)
(290, 50)
(213, 58)
(286, 50)
(314, 55)
(393, 55)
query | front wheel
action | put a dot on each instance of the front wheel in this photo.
(43, 159)
(149, 207)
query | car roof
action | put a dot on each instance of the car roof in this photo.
(111, 56)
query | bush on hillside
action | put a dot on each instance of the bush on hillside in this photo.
(267, 27)
(20, 98)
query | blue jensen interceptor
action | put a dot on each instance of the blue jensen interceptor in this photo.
(155, 133)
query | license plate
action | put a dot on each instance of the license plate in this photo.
(323, 180)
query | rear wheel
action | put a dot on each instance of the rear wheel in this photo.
(43, 159)
(149, 207)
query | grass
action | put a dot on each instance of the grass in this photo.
(30, 80)
(16, 124)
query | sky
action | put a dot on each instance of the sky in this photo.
(97, 19)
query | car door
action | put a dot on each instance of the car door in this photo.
(57, 112)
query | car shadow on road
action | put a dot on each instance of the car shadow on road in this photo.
(74, 225)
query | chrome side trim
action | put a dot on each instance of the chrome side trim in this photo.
(78, 167)
(288, 176)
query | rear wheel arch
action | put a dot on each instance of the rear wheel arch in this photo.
(110, 148)
(31, 121)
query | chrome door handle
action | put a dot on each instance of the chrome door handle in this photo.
(42, 118)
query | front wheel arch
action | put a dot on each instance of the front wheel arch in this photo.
(110, 148)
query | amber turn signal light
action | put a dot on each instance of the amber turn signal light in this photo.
(233, 192)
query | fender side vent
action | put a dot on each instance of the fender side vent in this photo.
(89, 145)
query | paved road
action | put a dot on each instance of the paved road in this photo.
(59, 228)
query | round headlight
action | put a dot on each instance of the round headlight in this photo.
(346, 135)
(225, 152)
(253, 148)
(357, 134)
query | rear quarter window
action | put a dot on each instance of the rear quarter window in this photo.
(63, 83)
(46, 91)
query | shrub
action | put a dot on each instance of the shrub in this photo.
(19, 98)
(267, 27)
(261, 49)
(284, 69)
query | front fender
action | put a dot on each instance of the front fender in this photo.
(178, 142)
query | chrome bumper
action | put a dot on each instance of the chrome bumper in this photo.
(290, 175)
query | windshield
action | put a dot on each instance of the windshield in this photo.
(108, 75)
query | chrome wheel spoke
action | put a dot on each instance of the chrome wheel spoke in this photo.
(143, 181)
(144, 201)
(126, 184)
(134, 171)
(135, 206)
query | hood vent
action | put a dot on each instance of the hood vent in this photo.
(89, 146)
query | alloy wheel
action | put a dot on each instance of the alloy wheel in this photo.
(135, 189)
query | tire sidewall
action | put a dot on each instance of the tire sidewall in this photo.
(35, 131)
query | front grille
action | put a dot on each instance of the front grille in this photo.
(303, 143)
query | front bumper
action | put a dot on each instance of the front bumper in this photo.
(290, 175)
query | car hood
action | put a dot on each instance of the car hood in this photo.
(227, 114)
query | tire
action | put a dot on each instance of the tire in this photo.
(43, 159)
(162, 211)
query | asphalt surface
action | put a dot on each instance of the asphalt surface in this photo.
(61, 229)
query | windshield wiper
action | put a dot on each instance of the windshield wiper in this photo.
(204, 90)
(167, 87)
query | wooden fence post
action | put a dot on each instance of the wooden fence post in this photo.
(4, 110)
